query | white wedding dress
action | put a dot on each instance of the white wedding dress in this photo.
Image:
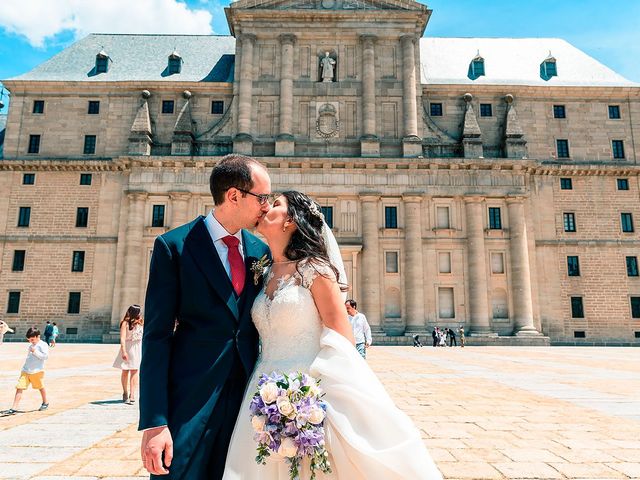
(367, 436)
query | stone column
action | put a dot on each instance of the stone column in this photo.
(284, 141)
(371, 261)
(477, 281)
(520, 274)
(179, 208)
(243, 142)
(414, 272)
(369, 142)
(411, 143)
(133, 254)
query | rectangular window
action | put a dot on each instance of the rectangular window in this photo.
(632, 266)
(562, 148)
(566, 184)
(74, 302)
(89, 144)
(579, 334)
(569, 222)
(327, 212)
(495, 223)
(559, 111)
(577, 310)
(435, 109)
(445, 303)
(24, 216)
(94, 107)
(157, 219)
(77, 262)
(391, 262)
(390, 217)
(38, 106)
(635, 307)
(217, 107)
(82, 217)
(85, 179)
(13, 304)
(102, 64)
(71, 330)
(18, 260)
(34, 144)
(617, 147)
(28, 178)
(623, 184)
(442, 217)
(444, 262)
(167, 106)
(614, 112)
(573, 266)
(626, 220)
(486, 110)
(497, 262)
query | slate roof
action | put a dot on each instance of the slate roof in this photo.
(512, 61)
(206, 58)
(210, 58)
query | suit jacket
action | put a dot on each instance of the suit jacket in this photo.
(183, 372)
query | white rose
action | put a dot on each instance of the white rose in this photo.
(315, 390)
(288, 448)
(269, 392)
(316, 416)
(258, 421)
(285, 407)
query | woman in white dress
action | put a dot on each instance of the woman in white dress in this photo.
(303, 327)
(130, 353)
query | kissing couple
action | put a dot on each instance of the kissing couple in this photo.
(223, 309)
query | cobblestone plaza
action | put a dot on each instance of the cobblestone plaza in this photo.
(484, 412)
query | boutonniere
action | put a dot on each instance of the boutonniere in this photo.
(258, 268)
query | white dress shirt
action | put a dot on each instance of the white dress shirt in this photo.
(361, 328)
(35, 360)
(217, 233)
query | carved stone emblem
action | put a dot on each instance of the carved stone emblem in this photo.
(327, 124)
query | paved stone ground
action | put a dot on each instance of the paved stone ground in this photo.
(484, 412)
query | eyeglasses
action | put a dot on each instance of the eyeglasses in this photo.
(263, 198)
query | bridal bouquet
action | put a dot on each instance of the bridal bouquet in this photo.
(287, 414)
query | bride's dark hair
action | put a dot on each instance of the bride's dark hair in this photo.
(307, 242)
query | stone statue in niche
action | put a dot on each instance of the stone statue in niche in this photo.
(327, 65)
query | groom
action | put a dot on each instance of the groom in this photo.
(193, 380)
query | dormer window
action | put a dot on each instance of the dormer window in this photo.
(102, 62)
(548, 68)
(476, 67)
(175, 63)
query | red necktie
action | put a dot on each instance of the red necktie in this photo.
(237, 264)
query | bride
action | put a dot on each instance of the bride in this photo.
(302, 322)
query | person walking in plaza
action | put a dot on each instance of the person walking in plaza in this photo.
(48, 333)
(416, 341)
(452, 338)
(461, 333)
(32, 371)
(54, 334)
(361, 328)
(4, 328)
(434, 335)
(130, 354)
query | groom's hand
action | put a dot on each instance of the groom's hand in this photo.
(155, 441)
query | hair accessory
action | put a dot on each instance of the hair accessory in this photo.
(315, 211)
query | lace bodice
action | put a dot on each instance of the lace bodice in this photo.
(289, 323)
(135, 334)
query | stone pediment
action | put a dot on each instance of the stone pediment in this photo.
(328, 5)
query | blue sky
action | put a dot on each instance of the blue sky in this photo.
(32, 31)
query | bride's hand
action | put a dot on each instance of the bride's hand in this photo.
(328, 299)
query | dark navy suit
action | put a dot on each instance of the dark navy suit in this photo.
(193, 379)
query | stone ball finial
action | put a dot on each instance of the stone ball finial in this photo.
(146, 94)
(467, 97)
(186, 94)
(508, 98)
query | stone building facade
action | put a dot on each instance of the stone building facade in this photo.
(489, 183)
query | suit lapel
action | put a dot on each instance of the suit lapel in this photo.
(252, 253)
(203, 251)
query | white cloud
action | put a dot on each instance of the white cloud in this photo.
(40, 20)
